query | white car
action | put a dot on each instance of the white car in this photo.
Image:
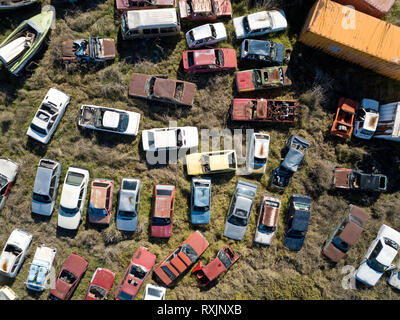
(259, 23)
(366, 119)
(379, 256)
(47, 117)
(170, 138)
(257, 153)
(14, 251)
(394, 278)
(73, 197)
(128, 204)
(206, 34)
(109, 120)
(152, 292)
(7, 294)
(8, 173)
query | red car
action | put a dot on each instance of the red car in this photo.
(204, 10)
(100, 284)
(127, 5)
(223, 261)
(182, 258)
(100, 204)
(163, 213)
(343, 124)
(209, 60)
(69, 277)
(140, 267)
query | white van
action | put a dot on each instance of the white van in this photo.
(152, 23)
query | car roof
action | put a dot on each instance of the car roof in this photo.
(260, 47)
(258, 20)
(154, 18)
(42, 180)
(99, 193)
(201, 196)
(202, 32)
(204, 57)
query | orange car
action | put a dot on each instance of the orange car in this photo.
(343, 124)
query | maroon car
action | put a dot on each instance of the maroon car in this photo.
(126, 5)
(223, 261)
(139, 268)
(100, 284)
(69, 277)
(162, 89)
(100, 204)
(204, 10)
(209, 60)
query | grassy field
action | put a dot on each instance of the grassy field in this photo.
(261, 273)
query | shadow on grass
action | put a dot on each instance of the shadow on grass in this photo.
(40, 218)
(65, 233)
(6, 281)
(36, 147)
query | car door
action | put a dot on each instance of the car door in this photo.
(52, 191)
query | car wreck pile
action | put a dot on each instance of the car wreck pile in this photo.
(364, 120)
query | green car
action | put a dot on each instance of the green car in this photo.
(25, 41)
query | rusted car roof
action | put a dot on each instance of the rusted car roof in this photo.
(137, 84)
(271, 214)
(67, 48)
(342, 178)
(332, 253)
(98, 194)
(108, 48)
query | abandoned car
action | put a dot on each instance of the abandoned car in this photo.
(358, 180)
(100, 202)
(209, 60)
(200, 200)
(128, 204)
(267, 219)
(267, 52)
(257, 153)
(211, 162)
(100, 284)
(163, 211)
(205, 35)
(8, 174)
(343, 124)
(204, 10)
(366, 119)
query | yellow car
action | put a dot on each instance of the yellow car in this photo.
(211, 162)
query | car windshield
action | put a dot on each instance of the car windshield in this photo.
(74, 179)
(265, 229)
(246, 192)
(97, 212)
(296, 234)
(124, 296)
(222, 255)
(213, 31)
(246, 24)
(189, 252)
(36, 128)
(68, 211)
(138, 272)
(219, 57)
(129, 185)
(3, 181)
(179, 138)
(127, 214)
(237, 221)
(164, 192)
(41, 198)
(67, 277)
(157, 221)
(96, 292)
(123, 121)
(273, 51)
(257, 77)
(201, 209)
(377, 266)
(340, 244)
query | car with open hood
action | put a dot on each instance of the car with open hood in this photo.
(163, 211)
(69, 277)
(48, 116)
(240, 209)
(94, 49)
(211, 162)
(100, 202)
(257, 153)
(136, 274)
(160, 88)
(259, 23)
(128, 204)
(379, 256)
(267, 220)
(206, 34)
(100, 284)
(345, 234)
(353, 179)
(109, 120)
(14, 251)
(181, 259)
(266, 52)
(261, 79)
(45, 187)
(8, 174)
(171, 138)
(209, 60)
(344, 120)
(298, 219)
(73, 197)
(204, 10)
(200, 200)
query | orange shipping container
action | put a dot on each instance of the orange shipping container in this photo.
(376, 8)
(354, 36)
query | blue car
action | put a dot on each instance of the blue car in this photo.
(262, 51)
(200, 204)
(297, 220)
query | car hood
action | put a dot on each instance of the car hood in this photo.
(279, 19)
(42, 208)
(69, 222)
(133, 124)
(69, 196)
(234, 232)
(239, 28)
(126, 224)
(367, 275)
(244, 80)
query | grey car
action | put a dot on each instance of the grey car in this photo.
(45, 188)
(240, 209)
(128, 204)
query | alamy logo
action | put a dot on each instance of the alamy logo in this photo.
(349, 280)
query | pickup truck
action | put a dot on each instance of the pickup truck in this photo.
(39, 272)
(358, 180)
(366, 120)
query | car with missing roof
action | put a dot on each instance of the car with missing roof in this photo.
(204, 10)
(200, 200)
(206, 34)
(209, 60)
(126, 5)
(48, 116)
(298, 219)
(267, 220)
(128, 204)
(352, 179)
(266, 52)
(257, 153)
(163, 211)
(14, 252)
(69, 277)
(6, 293)
(366, 119)
(8, 174)
(73, 197)
(240, 209)
(342, 126)
(160, 88)
(109, 120)
(181, 259)
(171, 138)
(153, 292)
(379, 256)
(136, 274)
(259, 23)
(100, 284)
(345, 234)
(45, 187)
(211, 162)
(100, 202)
(261, 79)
